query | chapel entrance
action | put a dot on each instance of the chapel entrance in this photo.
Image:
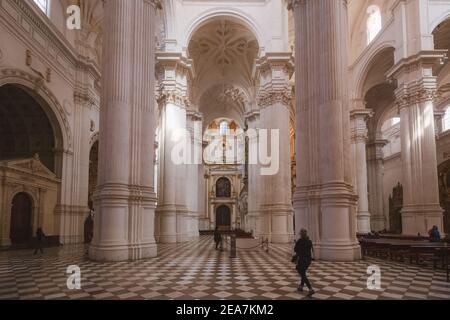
(21, 229)
(223, 217)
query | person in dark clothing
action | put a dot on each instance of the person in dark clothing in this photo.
(217, 237)
(304, 251)
(435, 236)
(40, 236)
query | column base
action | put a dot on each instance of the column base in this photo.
(378, 223)
(173, 224)
(278, 223)
(363, 222)
(115, 253)
(345, 252)
(71, 222)
(419, 219)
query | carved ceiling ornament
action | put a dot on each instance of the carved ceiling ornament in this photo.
(224, 48)
(224, 97)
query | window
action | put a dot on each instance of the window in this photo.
(395, 121)
(223, 128)
(374, 24)
(42, 4)
(446, 120)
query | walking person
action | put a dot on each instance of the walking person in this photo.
(40, 237)
(217, 238)
(305, 253)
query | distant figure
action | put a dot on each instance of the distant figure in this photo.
(40, 236)
(217, 238)
(304, 251)
(89, 228)
(435, 236)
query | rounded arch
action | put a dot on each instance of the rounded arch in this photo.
(442, 18)
(363, 72)
(21, 218)
(48, 102)
(230, 13)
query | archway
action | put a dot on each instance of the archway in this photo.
(26, 127)
(223, 217)
(21, 215)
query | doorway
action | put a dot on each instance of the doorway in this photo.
(21, 212)
(223, 217)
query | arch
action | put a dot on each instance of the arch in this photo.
(433, 25)
(234, 14)
(41, 93)
(29, 129)
(21, 217)
(367, 63)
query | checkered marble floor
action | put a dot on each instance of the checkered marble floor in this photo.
(197, 271)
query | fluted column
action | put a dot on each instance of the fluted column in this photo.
(375, 170)
(275, 97)
(194, 177)
(324, 200)
(125, 198)
(253, 223)
(172, 214)
(359, 139)
(415, 96)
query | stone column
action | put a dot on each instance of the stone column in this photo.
(125, 198)
(275, 97)
(254, 184)
(415, 96)
(359, 139)
(375, 172)
(172, 212)
(324, 200)
(193, 179)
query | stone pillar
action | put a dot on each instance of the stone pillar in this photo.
(359, 138)
(125, 198)
(375, 172)
(275, 97)
(415, 96)
(193, 179)
(254, 184)
(324, 200)
(172, 213)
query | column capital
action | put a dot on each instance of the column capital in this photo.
(359, 131)
(375, 151)
(415, 78)
(292, 4)
(174, 73)
(274, 72)
(155, 3)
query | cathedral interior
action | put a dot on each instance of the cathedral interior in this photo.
(133, 132)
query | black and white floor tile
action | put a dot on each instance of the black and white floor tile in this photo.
(196, 270)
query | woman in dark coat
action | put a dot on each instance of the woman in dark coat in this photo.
(304, 251)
